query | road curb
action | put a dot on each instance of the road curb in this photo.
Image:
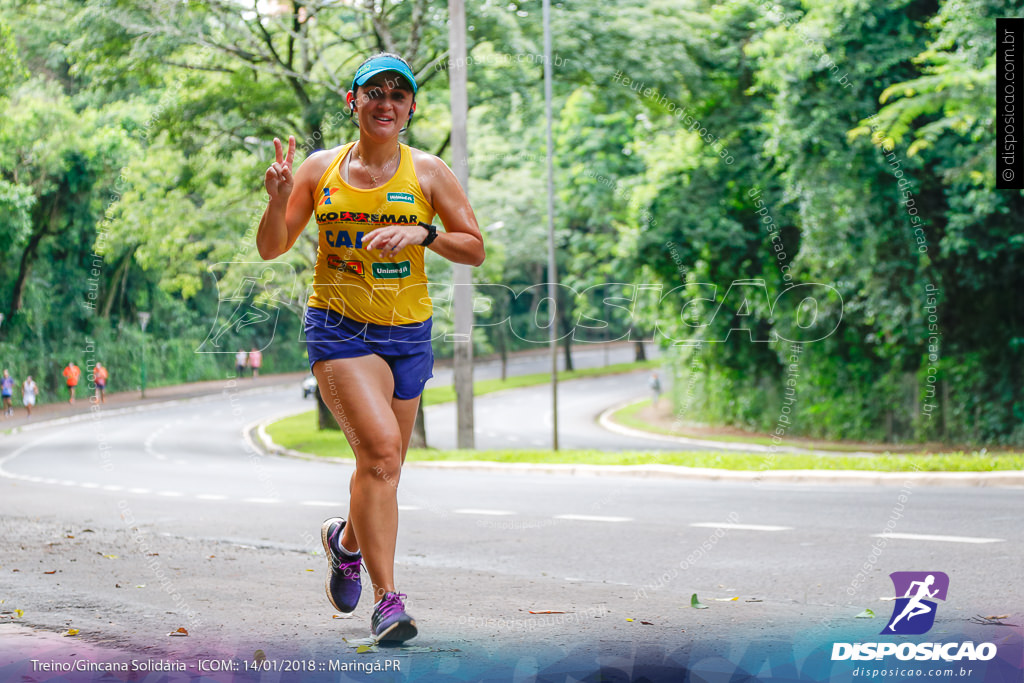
(257, 436)
(606, 421)
(138, 408)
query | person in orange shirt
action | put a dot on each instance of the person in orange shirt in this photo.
(255, 361)
(99, 377)
(71, 373)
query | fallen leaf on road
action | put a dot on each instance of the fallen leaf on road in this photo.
(69, 536)
(695, 603)
(628, 619)
(110, 557)
(647, 623)
(259, 656)
(70, 632)
(754, 600)
(310, 570)
(365, 648)
(19, 613)
(866, 614)
(360, 642)
(88, 531)
(546, 611)
(991, 621)
(211, 557)
(53, 572)
(728, 599)
(141, 585)
(180, 632)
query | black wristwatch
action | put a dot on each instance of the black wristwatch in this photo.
(431, 233)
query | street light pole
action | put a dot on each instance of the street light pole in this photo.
(143, 321)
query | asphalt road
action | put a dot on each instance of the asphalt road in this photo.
(130, 526)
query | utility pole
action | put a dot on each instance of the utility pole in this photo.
(552, 272)
(462, 276)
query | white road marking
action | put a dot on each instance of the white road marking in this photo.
(268, 501)
(170, 494)
(325, 504)
(140, 491)
(89, 485)
(113, 487)
(473, 511)
(211, 496)
(594, 518)
(408, 507)
(741, 527)
(937, 537)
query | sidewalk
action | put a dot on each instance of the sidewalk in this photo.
(129, 399)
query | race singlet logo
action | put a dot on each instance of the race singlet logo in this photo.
(401, 197)
(326, 199)
(391, 271)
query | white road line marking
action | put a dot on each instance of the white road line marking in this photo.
(937, 537)
(408, 507)
(139, 491)
(741, 527)
(268, 501)
(66, 482)
(594, 518)
(211, 496)
(113, 487)
(325, 504)
(473, 511)
(170, 494)
(89, 485)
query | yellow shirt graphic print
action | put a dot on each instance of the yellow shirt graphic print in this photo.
(357, 283)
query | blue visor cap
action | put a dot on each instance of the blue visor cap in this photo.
(380, 65)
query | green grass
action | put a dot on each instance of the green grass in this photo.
(434, 395)
(300, 433)
(628, 417)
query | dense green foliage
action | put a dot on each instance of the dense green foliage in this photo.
(843, 146)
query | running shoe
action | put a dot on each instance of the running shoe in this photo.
(343, 584)
(390, 622)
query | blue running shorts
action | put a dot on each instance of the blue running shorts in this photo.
(405, 348)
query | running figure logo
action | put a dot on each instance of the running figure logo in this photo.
(914, 613)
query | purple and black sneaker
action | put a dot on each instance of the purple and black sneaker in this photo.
(390, 622)
(343, 584)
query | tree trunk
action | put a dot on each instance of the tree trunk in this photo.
(325, 420)
(641, 352)
(419, 429)
(566, 329)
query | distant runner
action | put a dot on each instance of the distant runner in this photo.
(71, 375)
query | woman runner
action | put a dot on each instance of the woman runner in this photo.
(367, 323)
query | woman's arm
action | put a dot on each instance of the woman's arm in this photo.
(290, 205)
(461, 241)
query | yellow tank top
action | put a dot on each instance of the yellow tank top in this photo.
(357, 283)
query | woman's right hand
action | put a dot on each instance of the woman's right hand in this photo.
(279, 181)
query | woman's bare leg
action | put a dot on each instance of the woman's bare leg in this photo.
(358, 392)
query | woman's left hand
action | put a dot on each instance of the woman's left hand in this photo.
(391, 239)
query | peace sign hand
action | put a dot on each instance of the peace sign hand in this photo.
(279, 179)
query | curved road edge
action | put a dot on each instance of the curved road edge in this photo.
(256, 435)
